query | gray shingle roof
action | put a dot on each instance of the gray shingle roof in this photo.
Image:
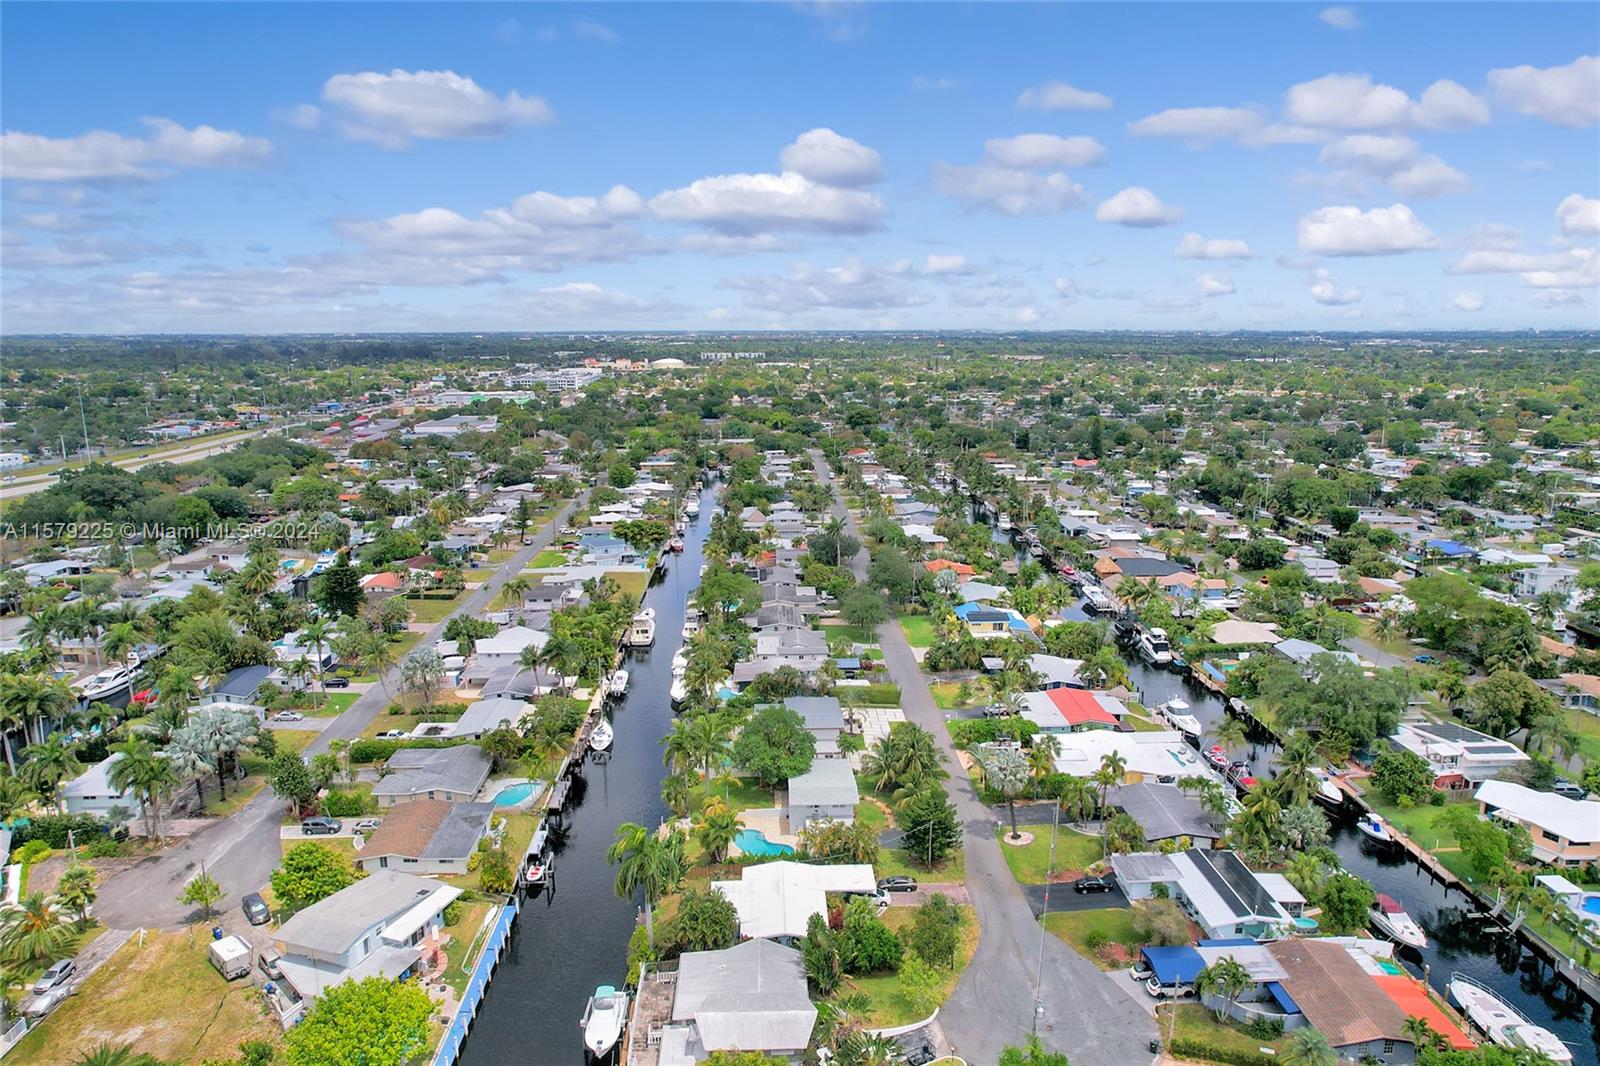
(829, 783)
(461, 769)
(751, 997)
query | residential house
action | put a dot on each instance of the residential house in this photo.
(1069, 710)
(1161, 755)
(776, 899)
(750, 997)
(823, 719)
(505, 648)
(1215, 888)
(1054, 671)
(91, 792)
(426, 837)
(1460, 757)
(455, 773)
(1565, 832)
(239, 686)
(826, 792)
(1166, 812)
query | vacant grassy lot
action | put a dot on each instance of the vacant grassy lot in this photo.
(433, 609)
(1232, 1044)
(1031, 861)
(631, 582)
(855, 634)
(947, 695)
(163, 998)
(1076, 929)
(918, 629)
(548, 558)
(332, 705)
(886, 1009)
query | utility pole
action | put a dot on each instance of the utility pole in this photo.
(84, 418)
(1050, 872)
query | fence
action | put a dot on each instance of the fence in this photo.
(494, 947)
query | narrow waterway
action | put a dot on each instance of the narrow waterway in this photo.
(573, 936)
(1480, 950)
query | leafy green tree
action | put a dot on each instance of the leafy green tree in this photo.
(917, 986)
(373, 1022)
(929, 829)
(290, 778)
(202, 891)
(706, 921)
(867, 944)
(1031, 1054)
(775, 745)
(1397, 772)
(864, 607)
(1345, 901)
(338, 590)
(311, 872)
(935, 931)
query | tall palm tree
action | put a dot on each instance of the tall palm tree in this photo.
(1295, 781)
(1227, 979)
(716, 828)
(1042, 755)
(147, 775)
(33, 930)
(317, 634)
(1308, 1047)
(1113, 768)
(46, 764)
(1230, 734)
(1077, 799)
(30, 700)
(647, 863)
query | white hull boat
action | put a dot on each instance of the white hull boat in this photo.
(1176, 712)
(690, 629)
(691, 506)
(679, 691)
(1391, 919)
(1153, 646)
(603, 1019)
(1005, 523)
(601, 738)
(618, 685)
(642, 633)
(1496, 1019)
(104, 685)
(1328, 793)
(1096, 599)
(1375, 829)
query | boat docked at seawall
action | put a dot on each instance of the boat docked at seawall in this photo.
(1154, 647)
(675, 545)
(601, 738)
(691, 505)
(678, 692)
(642, 630)
(1097, 599)
(110, 682)
(1375, 829)
(1497, 1020)
(1176, 714)
(1005, 522)
(603, 1019)
(1391, 919)
(1328, 794)
(618, 683)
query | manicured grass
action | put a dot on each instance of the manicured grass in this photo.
(1421, 824)
(330, 706)
(1030, 862)
(1587, 726)
(918, 630)
(1197, 1024)
(163, 998)
(886, 1009)
(631, 582)
(433, 610)
(463, 937)
(1143, 725)
(343, 845)
(742, 795)
(548, 558)
(518, 832)
(855, 634)
(239, 794)
(295, 740)
(947, 695)
(1076, 928)
(893, 861)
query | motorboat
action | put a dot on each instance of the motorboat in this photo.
(618, 684)
(603, 1019)
(691, 505)
(1374, 828)
(104, 685)
(1217, 756)
(1096, 599)
(1391, 919)
(641, 632)
(1005, 523)
(536, 871)
(645, 614)
(679, 690)
(1501, 1023)
(1176, 713)
(601, 738)
(1154, 646)
(680, 662)
(1328, 793)
(691, 627)
(675, 545)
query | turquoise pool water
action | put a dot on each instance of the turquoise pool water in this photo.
(755, 842)
(1591, 904)
(512, 795)
(1305, 925)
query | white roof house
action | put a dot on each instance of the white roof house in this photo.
(1056, 671)
(1566, 832)
(776, 899)
(750, 997)
(507, 645)
(1154, 754)
(91, 792)
(1454, 751)
(826, 792)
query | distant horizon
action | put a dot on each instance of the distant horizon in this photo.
(1574, 331)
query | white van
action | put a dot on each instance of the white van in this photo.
(231, 956)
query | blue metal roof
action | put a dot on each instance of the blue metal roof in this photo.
(1451, 547)
(1285, 1000)
(1178, 965)
(1228, 942)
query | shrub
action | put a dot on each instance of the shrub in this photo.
(54, 829)
(32, 851)
(343, 804)
(880, 695)
(370, 750)
(103, 848)
(1265, 1028)
(1184, 1047)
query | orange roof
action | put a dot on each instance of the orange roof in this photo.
(1105, 567)
(1079, 707)
(933, 566)
(383, 580)
(1409, 995)
(1556, 648)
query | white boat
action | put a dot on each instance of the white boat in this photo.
(602, 736)
(1328, 793)
(618, 683)
(1374, 828)
(1176, 712)
(1096, 599)
(642, 632)
(690, 628)
(645, 614)
(680, 662)
(1498, 1021)
(1005, 523)
(679, 691)
(691, 505)
(1154, 647)
(105, 684)
(1391, 919)
(603, 1019)
(675, 545)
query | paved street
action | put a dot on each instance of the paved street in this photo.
(1081, 1012)
(241, 850)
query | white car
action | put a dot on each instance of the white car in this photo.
(367, 825)
(288, 716)
(392, 734)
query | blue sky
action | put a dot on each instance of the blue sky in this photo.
(235, 167)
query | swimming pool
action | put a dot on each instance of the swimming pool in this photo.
(512, 795)
(755, 842)
(1591, 904)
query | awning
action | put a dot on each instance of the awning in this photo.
(1285, 1000)
(404, 927)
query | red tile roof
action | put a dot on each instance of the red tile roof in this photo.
(1409, 995)
(1080, 708)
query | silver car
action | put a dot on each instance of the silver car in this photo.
(59, 973)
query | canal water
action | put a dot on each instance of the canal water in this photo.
(573, 936)
(1480, 950)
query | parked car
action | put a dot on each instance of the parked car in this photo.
(1140, 971)
(288, 716)
(1157, 990)
(58, 973)
(267, 963)
(320, 826)
(898, 883)
(1427, 660)
(256, 911)
(1091, 884)
(42, 1005)
(337, 681)
(392, 734)
(1569, 789)
(367, 825)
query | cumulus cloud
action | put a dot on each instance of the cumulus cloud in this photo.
(1398, 162)
(1351, 231)
(394, 109)
(1565, 96)
(1579, 216)
(1212, 285)
(825, 156)
(1200, 126)
(101, 154)
(1008, 190)
(754, 203)
(1340, 18)
(1194, 246)
(946, 265)
(1569, 268)
(853, 285)
(1059, 96)
(1038, 150)
(1355, 101)
(1467, 300)
(1325, 290)
(1137, 206)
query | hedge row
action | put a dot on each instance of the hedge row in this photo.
(372, 750)
(1185, 1047)
(53, 829)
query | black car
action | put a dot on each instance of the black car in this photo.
(1091, 884)
(336, 682)
(320, 826)
(898, 883)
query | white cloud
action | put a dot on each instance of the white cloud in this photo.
(1355, 101)
(825, 156)
(1137, 206)
(1569, 268)
(1008, 190)
(1565, 96)
(1327, 291)
(396, 108)
(937, 265)
(1493, 236)
(1579, 216)
(1199, 126)
(1212, 285)
(1194, 246)
(1351, 231)
(1038, 150)
(853, 285)
(1467, 300)
(590, 30)
(753, 203)
(1066, 289)
(576, 303)
(101, 154)
(1397, 161)
(934, 85)
(1340, 18)
(1059, 96)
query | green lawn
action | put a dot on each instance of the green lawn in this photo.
(894, 861)
(887, 1009)
(1587, 726)
(947, 695)
(548, 558)
(631, 582)
(856, 634)
(1031, 861)
(918, 629)
(1418, 823)
(1198, 1026)
(330, 706)
(1143, 725)
(463, 936)
(1113, 925)
(433, 610)
(742, 795)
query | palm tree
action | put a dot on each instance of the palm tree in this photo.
(148, 775)
(47, 764)
(1104, 669)
(1295, 780)
(1113, 768)
(1077, 799)
(1230, 734)
(108, 1054)
(76, 890)
(120, 638)
(15, 797)
(648, 863)
(1227, 979)
(903, 759)
(716, 828)
(1308, 1047)
(514, 590)
(1006, 771)
(31, 700)
(1042, 755)
(317, 634)
(33, 930)
(676, 790)
(378, 656)
(1421, 1033)
(697, 741)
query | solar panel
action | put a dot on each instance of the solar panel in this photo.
(1449, 731)
(1234, 882)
